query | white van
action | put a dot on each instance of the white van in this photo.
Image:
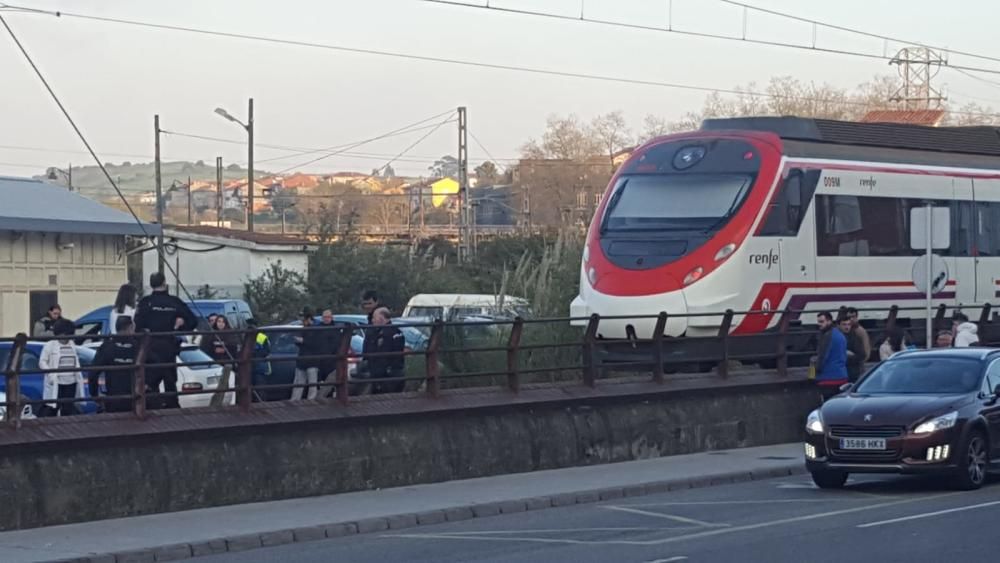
(451, 306)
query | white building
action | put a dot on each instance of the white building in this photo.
(224, 259)
(57, 246)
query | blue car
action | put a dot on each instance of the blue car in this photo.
(33, 383)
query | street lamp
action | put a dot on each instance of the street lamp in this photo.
(68, 173)
(248, 126)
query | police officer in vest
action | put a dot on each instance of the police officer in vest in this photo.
(162, 312)
(118, 351)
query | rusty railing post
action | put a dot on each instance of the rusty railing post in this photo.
(343, 368)
(727, 323)
(139, 383)
(513, 360)
(591, 361)
(244, 372)
(984, 315)
(12, 372)
(431, 358)
(658, 330)
(781, 364)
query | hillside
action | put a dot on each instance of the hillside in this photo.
(136, 178)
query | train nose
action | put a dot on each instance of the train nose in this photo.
(590, 302)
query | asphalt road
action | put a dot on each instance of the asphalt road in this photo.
(783, 520)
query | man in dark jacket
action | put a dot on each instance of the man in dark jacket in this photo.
(385, 338)
(310, 343)
(331, 333)
(119, 350)
(162, 312)
(855, 349)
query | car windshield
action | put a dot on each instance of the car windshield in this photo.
(923, 376)
(191, 355)
(431, 312)
(674, 201)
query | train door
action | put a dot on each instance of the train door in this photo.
(962, 264)
(987, 239)
(792, 222)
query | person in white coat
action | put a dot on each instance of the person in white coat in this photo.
(67, 382)
(124, 306)
(966, 333)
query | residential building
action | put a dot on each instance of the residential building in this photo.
(57, 246)
(562, 192)
(225, 259)
(927, 117)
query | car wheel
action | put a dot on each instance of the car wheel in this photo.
(829, 479)
(973, 462)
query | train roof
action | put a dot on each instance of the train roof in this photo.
(903, 143)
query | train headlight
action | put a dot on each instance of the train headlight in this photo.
(725, 252)
(586, 253)
(592, 276)
(694, 275)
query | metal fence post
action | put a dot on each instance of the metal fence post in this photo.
(658, 330)
(513, 361)
(984, 316)
(890, 321)
(244, 372)
(139, 383)
(591, 361)
(727, 323)
(431, 358)
(782, 352)
(343, 369)
(12, 372)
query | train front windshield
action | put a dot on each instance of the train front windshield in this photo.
(670, 202)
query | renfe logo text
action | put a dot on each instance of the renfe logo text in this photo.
(770, 259)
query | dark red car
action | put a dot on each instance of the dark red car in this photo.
(920, 412)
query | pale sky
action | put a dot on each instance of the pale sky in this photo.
(113, 77)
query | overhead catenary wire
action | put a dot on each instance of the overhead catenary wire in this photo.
(458, 62)
(701, 34)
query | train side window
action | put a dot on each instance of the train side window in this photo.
(786, 213)
(962, 229)
(863, 226)
(986, 229)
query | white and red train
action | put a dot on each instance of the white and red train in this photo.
(763, 214)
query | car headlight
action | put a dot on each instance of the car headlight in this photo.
(940, 423)
(814, 423)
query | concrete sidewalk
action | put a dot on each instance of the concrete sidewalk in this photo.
(181, 535)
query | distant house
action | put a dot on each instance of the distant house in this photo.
(496, 205)
(927, 117)
(148, 198)
(440, 191)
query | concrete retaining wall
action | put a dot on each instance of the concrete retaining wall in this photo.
(93, 478)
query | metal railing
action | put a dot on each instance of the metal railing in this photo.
(515, 352)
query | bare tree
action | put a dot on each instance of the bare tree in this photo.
(564, 137)
(611, 132)
(653, 126)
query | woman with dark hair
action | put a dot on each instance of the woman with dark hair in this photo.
(894, 343)
(221, 347)
(124, 306)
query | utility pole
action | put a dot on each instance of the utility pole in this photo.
(69, 176)
(917, 67)
(190, 197)
(159, 195)
(465, 207)
(250, 164)
(219, 201)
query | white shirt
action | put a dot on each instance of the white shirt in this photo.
(129, 312)
(61, 356)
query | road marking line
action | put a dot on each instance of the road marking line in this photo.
(724, 502)
(556, 531)
(675, 518)
(928, 514)
(674, 539)
(671, 559)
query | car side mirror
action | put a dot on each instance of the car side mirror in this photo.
(847, 387)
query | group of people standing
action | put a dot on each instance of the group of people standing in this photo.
(844, 345)
(383, 362)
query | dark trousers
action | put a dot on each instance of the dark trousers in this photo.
(167, 376)
(66, 409)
